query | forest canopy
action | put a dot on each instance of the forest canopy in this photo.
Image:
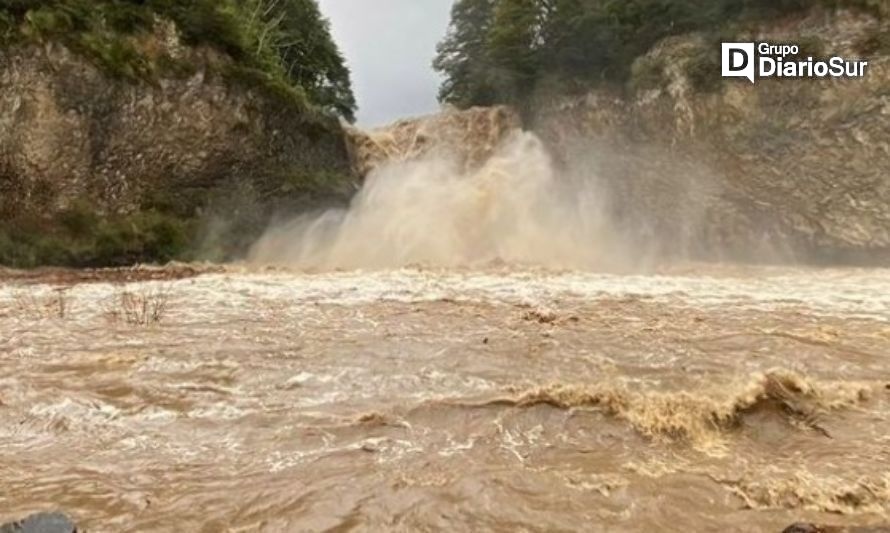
(501, 51)
(284, 42)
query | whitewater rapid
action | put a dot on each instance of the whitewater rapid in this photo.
(702, 397)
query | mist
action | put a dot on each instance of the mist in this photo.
(515, 208)
(590, 206)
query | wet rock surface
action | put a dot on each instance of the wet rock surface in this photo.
(802, 527)
(41, 523)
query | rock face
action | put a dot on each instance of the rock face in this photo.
(71, 133)
(41, 523)
(471, 136)
(785, 169)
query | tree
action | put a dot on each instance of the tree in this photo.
(514, 42)
(579, 40)
(310, 56)
(462, 57)
(507, 51)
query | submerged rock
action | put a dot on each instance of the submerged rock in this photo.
(41, 523)
(802, 527)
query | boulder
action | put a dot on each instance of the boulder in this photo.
(41, 523)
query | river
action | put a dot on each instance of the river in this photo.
(699, 398)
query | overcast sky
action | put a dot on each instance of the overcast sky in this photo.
(389, 45)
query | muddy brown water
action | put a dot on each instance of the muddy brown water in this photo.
(706, 399)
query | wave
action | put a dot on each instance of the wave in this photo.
(804, 490)
(700, 418)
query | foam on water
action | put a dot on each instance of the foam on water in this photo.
(267, 394)
(862, 292)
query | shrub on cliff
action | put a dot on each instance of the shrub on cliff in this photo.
(81, 238)
(285, 42)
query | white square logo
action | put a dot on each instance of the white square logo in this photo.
(738, 60)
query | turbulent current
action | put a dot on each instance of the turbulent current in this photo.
(701, 398)
(445, 356)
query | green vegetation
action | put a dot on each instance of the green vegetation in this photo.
(284, 45)
(503, 51)
(280, 48)
(81, 238)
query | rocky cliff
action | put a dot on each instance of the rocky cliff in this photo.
(204, 152)
(470, 135)
(782, 170)
(686, 164)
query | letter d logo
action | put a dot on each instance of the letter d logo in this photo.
(738, 60)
